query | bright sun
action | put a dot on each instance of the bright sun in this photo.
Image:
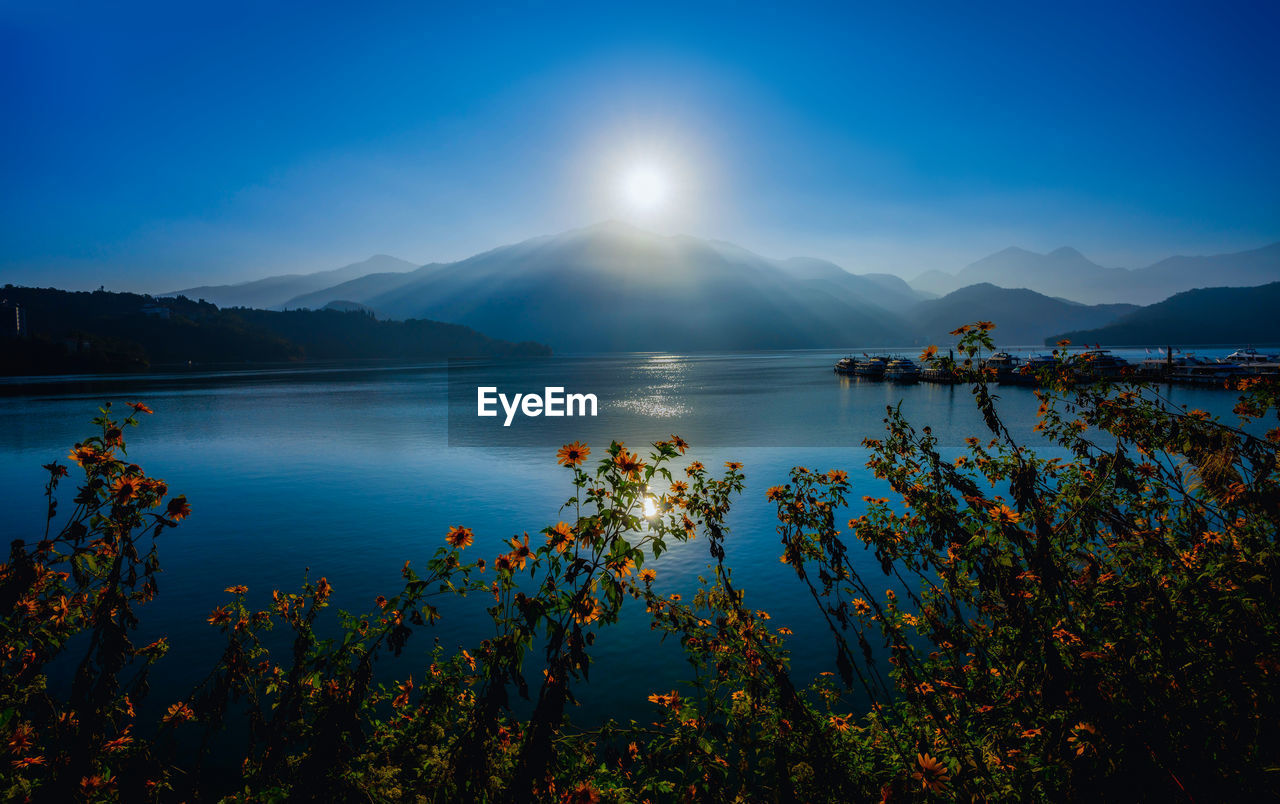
(645, 187)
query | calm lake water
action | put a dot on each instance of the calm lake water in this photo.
(350, 471)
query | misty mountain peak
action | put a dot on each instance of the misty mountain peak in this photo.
(1066, 252)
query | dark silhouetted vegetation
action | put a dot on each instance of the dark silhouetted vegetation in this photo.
(103, 331)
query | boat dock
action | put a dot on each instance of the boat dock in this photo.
(1091, 365)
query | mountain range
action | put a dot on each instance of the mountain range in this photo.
(612, 287)
(273, 291)
(1225, 316)
(1067, 273)
(1021, 316)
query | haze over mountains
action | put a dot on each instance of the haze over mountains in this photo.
(273, 291)
(612, 287)
(1022, 316)
(1067, 273)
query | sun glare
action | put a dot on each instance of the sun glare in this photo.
(645, 188)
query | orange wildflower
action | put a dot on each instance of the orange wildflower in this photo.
(932, 774)
(629, 464)
(459, 537)
(84, 455)
(1004, 515)
(178, 508)
(586, 610)
(178, 713)
(622, 568)
(670, 700)
(573, 454)
(520, 552)
(560, 536)
(402, 699)
(125, 489)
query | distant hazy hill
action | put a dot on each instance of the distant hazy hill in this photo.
(274, 291)
(367, 286)
(1021, 316)
(1069, 274)
(104, 331)
(1238, 316)
(611, 287)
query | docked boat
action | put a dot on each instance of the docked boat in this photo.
(871, 367)
(846, 365)
(901, 370)
(1097, 364)
(936, 371)
(1030, 371)
(1246, 357)
(1198, 371)
(1003, 364)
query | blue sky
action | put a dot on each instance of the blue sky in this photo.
(171, 144)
